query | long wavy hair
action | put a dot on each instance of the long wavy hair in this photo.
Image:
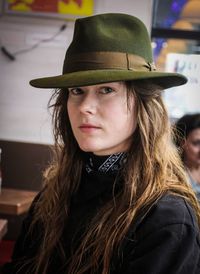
(153, 168)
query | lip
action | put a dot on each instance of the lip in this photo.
(88, 127)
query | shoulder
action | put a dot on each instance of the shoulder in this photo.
(168, 228)
(169, 211)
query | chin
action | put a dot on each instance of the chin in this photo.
(88, 148)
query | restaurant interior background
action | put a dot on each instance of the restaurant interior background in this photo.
(33, 44)
(175, 33)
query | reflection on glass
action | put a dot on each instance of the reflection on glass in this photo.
(178, 55)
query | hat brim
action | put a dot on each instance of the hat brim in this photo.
(91, 77)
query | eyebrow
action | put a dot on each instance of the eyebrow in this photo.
(110, 84)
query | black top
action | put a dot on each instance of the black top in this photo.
(166, 241)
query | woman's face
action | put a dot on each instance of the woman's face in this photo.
(101, 119)
(192, 148)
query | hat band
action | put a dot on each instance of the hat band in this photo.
(106, 60)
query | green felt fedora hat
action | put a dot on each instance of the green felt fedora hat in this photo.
(107, 48)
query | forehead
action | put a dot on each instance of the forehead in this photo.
(194, 134)
(117, 85)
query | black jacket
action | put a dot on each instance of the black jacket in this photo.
(165, 241)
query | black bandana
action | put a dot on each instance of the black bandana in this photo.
(104, 164)
(99, 176)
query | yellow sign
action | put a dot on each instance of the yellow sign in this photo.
(73, 7)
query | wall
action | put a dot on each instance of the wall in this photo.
(25, 123)
(23, 109)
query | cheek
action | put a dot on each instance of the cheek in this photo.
(194, 149)
(191, 150)
(71, 112)
(68, 107)
(130, 116)
(121, 118)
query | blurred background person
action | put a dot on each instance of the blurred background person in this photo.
(188, 140)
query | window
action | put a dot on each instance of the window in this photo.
(176, 40)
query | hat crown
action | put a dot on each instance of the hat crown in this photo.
(111, 32)
(106, 48)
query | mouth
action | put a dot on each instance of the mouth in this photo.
(88, 127)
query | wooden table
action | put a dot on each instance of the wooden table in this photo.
(15, 201)
(3, 228)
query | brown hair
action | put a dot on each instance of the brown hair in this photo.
(153, 168)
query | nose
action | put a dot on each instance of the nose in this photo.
(88, 104)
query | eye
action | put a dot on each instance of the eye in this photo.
(75, 91)
(106, 90)
(196, 143)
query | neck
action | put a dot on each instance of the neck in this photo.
(194, 173)
(104, 164)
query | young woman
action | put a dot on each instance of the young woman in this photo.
(188, 142)
(116, 198)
